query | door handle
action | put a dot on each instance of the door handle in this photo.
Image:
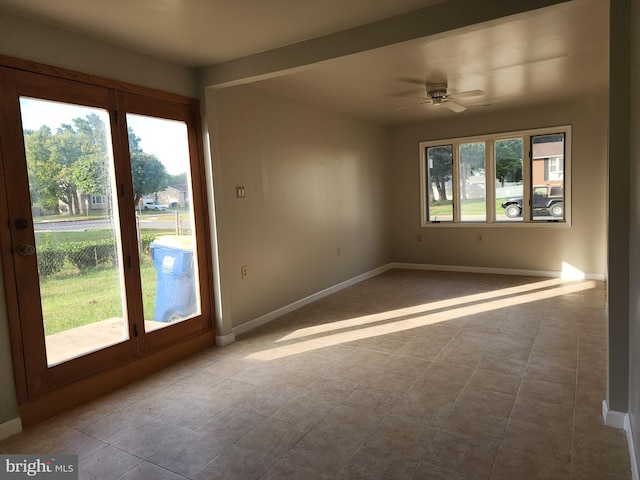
(26, 250)
(21, 223)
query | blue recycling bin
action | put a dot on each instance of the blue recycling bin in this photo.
(175, 288)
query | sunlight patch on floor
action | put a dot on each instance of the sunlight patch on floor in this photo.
(416, 316)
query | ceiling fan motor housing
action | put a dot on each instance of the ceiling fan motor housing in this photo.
(437, 91)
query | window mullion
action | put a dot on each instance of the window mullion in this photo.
(455, 181)
(490, 180)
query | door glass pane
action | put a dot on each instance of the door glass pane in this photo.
(473, 198)
(547, 177)
(439, 183)
(75, 217)
(160, 165)
(509, 189)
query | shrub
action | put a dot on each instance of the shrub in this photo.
(145, 240)
(50, 260)
(84, 255)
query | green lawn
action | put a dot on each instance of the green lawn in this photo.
(469, 207)
(71, 298)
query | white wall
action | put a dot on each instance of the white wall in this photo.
(634, 260)
(583, 245)
(29, 40)
(314, 182)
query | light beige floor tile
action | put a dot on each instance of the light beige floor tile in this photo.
(150, 438)
(304, 411)
(231, 424)
(335, 388)
(107, 463)
(409, 367)
(546, 414)
(486, 402)
(494, 381)
(322, 452)
(286, 471)
(465, 421)
(551, 373)
(582, 473)
(113, 427)
(193, 413)
(189, 453)
(235, 463)
(394, 434)
(450, 372)
(372, 400)
(538, 440)
(461, 454)
(428, 471)
(601, 448)
(350, 422)
(146, 470)
(547, 391)
(372, 464)
(511, 465)
(272, 437)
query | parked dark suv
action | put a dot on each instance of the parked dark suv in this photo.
(548, 198)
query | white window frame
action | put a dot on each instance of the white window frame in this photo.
(490, 185)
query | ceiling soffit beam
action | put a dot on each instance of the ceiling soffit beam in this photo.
(436, 19)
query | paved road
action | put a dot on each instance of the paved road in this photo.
(151, 222)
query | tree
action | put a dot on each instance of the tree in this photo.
(42, 170)
(509, 160)
(440, 169)
(91, 170)
(148, 173)
(76, 158)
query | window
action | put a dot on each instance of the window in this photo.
(509, 178)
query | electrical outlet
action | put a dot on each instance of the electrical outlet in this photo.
(244, 272)
(240, 192)
(478, 237)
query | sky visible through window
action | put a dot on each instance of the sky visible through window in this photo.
(158, 136)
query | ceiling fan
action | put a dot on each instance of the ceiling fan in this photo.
(437, 95)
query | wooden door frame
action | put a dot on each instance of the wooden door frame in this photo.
(33, 400)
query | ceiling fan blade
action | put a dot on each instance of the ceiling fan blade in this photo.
(412, 80)
(453, 106)
(470, 93)
(414, 105)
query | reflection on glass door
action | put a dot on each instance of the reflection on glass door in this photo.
(160, 167)
(473, 197)
(509, 181)
(439, 169)
(75, 218)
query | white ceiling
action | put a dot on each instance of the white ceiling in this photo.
(198, 33)
(553, 54)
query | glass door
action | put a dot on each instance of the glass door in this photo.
(75, 221)
(108, 236)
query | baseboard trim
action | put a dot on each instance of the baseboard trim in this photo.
(268, 317)
(10, 428)
(222, 340)
(257, 322)
(621, 420)
(495, 271)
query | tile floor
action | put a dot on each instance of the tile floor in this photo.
(408, 375)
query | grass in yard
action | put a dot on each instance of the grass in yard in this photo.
(469, 207)
(71, 299)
